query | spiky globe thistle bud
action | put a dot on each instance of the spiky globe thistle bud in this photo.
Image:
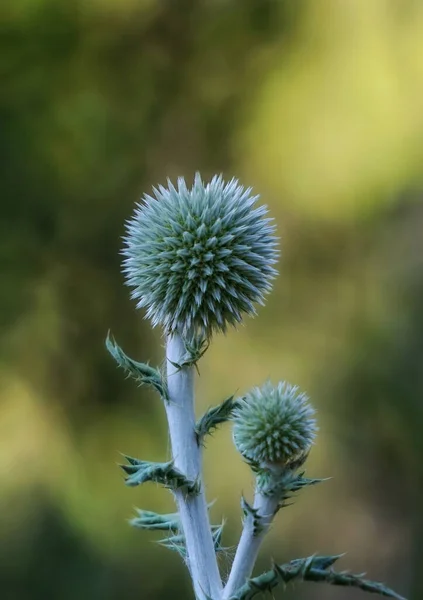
(274, 426)
(198, 258)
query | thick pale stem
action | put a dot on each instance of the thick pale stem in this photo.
(187, 456)
(249, 544)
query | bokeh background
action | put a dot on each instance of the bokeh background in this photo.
(319, 107)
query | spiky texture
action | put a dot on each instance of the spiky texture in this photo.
(147, 519)
(141, 372)
(142, 471)
(274, 425)
(213, 417)
(177, 541)
(199, 258)
(314, 568)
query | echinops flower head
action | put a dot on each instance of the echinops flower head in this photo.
(197, 259)
(274, 425)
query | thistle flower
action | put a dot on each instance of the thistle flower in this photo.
(274, 425)
(198, 258)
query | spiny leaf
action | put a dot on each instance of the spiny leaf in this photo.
(177, 542)
(172, 540)
(283, 484)
(195, 348)
(141, 372)
(313, 568)
(319, 562)
(252, 513)
(147, 519)
(213, 417)
(291, 486)
(141, 471)
(217, 531)
(300, 481)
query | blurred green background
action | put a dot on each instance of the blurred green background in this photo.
(319, 106)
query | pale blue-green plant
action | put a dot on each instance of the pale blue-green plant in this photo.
(198, 259)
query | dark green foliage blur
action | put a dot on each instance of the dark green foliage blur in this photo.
(317, 106)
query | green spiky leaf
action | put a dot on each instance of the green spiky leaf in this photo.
(284, 490)
(318, 562)
(217, 531)
(148, 519)
(314, 568)
(141, 372)
(213, 417)
(177, 542)
(142, 471)
(252, 514)
(283, 482)
(195, 348)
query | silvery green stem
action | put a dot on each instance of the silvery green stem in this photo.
(187, 456)
(250, 542)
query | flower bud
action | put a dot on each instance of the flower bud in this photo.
(274, 426)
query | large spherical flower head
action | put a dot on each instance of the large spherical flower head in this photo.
(274, 425)
(198, 258)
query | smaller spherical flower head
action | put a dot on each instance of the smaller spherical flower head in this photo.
(274, 426)
(198, 258)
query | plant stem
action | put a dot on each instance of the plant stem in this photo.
(250, 542)
(186, 453)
